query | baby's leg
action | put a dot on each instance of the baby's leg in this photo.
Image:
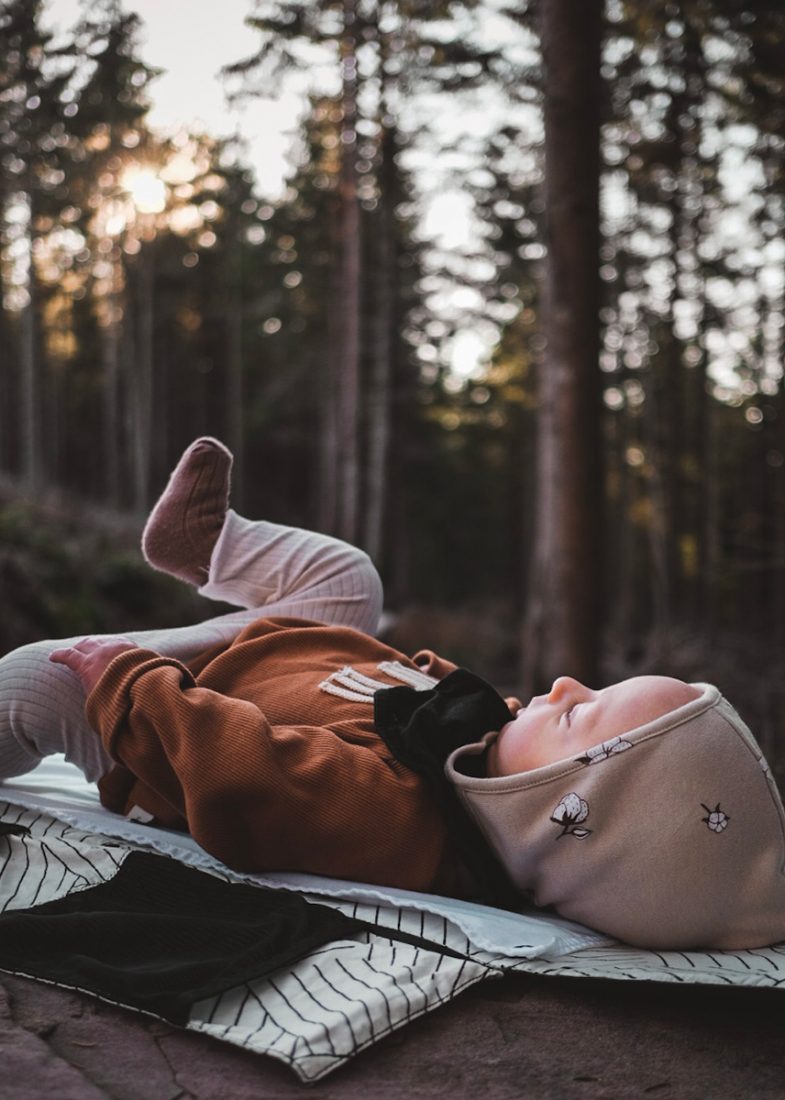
(274, 570)
(264, 568)
(42, 711)
(42, 705)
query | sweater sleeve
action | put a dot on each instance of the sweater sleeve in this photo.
(262, 797)
(432, 664)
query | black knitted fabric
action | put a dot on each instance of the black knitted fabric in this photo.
(160, 936)
(421, 729)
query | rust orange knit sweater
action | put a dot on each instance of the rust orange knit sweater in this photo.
(264, 768)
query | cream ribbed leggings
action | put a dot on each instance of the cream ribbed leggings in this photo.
(261, 567)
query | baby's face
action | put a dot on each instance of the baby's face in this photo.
(572, 718)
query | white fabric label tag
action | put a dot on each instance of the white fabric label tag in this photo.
(136, 813)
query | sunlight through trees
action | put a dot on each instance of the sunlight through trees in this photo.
(151, 293)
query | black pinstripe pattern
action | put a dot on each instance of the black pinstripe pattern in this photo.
(346, 995)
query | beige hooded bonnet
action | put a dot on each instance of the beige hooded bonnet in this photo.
(669, 836)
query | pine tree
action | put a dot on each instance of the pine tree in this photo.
(34, 115)
(564, 606)
(383, 53)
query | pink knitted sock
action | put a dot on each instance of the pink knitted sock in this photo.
(184, 525)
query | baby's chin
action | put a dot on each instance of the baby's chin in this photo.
(512, 723)
(496, 765)
(492, 766)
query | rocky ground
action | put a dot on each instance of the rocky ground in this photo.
(534, 1038)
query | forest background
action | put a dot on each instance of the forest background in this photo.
(603, 494)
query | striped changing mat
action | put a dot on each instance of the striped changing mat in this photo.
(342, 997)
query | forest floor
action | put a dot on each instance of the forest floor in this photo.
(530, 1037)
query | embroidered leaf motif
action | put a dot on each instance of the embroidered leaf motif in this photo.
(601, 752)
(569, 813)
(715, 819)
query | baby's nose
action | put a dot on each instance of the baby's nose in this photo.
(566, 685)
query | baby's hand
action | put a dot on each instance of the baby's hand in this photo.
(513, 704)
(90, 658)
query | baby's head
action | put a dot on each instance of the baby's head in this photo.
(645, 810)
(572, 718)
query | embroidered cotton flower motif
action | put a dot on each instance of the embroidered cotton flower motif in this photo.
(569, 813)
(716, 819)
(601, 752)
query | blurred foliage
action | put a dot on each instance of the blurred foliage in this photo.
(151, 294)
(60, 578)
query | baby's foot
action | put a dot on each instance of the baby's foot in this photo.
(184, 525)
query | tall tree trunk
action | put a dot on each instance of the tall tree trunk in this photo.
(142, 382)
(110, 364)
(777, 459)
(348, 438)
(711, 561)
(8, 367)
(624, 558)
(55, 439)
(30, 375)
(562, 630)
(381, 381)
(698, 168)
(669, 426)
(706, 515)
(777, 475)
(234, 390)
(659, 526)
(233, 336)
(327, 371)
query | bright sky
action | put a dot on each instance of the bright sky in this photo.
(192, 39)
(185, 38)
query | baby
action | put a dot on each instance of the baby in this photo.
(646, 810)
